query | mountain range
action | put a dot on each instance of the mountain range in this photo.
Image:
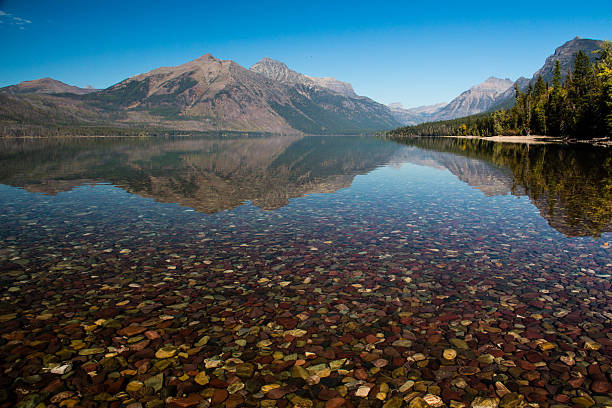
(202, 95)
(209, 94)
(496, 93)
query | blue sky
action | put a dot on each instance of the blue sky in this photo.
(414, 53)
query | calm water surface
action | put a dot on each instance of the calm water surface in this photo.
(327, 270)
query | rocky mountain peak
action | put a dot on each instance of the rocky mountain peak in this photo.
(477, 99)
(493, 84)
(565, 55)
(206, 57)
(279, 71)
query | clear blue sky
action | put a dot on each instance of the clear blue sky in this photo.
(414, 53)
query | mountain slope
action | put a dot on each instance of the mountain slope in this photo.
(209, 93)
(565, 55)
(477, 99)
(203, 94)
(45, 86)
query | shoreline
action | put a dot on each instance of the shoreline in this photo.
(515, 139)
(536, 139)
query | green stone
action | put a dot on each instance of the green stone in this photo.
(299, 402)
(395, 402)
(30, 401)
(91, 351)
(155, 404)
(486, 359)
(110, 364)
(161, 365)
(156, 382)
(420, 386)
(202, 342)
(245, 370)
(299, 372)
(418, 402)
(512, 400)
(460, 344)
(483, 402)
(336, 364)
(583, 402)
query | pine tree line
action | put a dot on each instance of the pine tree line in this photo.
(579, 107)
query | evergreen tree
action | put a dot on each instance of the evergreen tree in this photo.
(604, 68)
(554, 106)
(583, 95)
(580, 106)
(539, 99)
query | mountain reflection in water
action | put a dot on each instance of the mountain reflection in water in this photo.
(570, 185)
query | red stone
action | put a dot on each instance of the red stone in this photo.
(576, 382)
(335, 403)
(288, 323)
(326, 394)
(371, 339)
(360, 374)
(217, 383)
(151, 335)
(189, 401)
(219, 396)
(526, 365)
(601, 387)
(130, 331)
(141, 345)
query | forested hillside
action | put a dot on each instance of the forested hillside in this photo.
(579, 107)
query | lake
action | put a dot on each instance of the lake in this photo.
(304, 271)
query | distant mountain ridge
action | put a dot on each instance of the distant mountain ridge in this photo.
(477, 99)
(413, 116)
(46, 86)
(496, 93)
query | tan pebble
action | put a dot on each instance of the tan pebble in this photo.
(433, 400)
(201, 378)
(134, 386)
(269, 387)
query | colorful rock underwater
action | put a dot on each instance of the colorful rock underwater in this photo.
(304, 272)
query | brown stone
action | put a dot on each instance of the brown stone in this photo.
(234, 400)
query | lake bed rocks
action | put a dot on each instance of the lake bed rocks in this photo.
(331, 302)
